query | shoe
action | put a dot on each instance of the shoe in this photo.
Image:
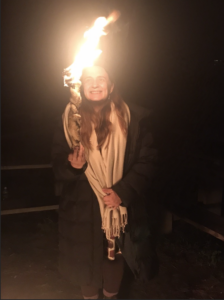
(113, 297)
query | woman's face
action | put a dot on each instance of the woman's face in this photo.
(96, 84)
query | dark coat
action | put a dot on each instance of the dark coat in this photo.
(80, 233)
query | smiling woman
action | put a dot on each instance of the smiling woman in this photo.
(105, 187)
(96, 84)
(97, 93)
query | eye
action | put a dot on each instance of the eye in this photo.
(88, 80)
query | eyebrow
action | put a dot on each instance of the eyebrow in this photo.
(101, 77)
(89, 77)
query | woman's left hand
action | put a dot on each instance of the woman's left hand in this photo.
(112, 200)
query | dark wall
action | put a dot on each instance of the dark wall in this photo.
(168, 66)
(169, 43)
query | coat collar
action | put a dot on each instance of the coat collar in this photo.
(138, 114)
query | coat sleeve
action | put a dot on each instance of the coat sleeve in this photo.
(138, 179)
(62, 169)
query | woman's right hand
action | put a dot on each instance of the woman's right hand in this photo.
(77, 158)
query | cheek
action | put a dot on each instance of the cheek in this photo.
(104, 87)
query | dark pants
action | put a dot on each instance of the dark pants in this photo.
(112, 275)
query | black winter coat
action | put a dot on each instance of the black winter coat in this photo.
(80, 233)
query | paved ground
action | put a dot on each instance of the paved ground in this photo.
(191, 263)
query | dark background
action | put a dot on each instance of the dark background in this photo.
(172, 64)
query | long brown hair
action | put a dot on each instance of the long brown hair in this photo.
(101, 120)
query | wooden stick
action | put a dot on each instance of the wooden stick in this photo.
(24, 167)
(204, 228)
(28, 209)
(202, 219)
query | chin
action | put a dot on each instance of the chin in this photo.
(97, 102)
(95, 98)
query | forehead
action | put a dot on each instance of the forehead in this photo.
(95, 72)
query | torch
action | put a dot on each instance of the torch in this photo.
(86, 56)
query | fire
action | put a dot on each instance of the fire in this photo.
(89, 51)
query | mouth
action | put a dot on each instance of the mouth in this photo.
(95, 92)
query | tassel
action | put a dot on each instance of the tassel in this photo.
(114, 220)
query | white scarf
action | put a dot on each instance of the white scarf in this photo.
(105, 169)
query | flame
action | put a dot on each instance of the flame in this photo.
(89, 50)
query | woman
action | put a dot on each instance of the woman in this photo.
(106, 177)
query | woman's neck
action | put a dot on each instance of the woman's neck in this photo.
(98, 105)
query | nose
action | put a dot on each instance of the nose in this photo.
(95, 83)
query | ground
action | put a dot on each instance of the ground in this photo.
(191, 263)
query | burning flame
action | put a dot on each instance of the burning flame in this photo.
(89, 50)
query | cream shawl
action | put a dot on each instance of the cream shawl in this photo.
(105, 169)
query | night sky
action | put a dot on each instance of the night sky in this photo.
(168, 66)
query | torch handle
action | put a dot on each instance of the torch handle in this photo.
(77, 86)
